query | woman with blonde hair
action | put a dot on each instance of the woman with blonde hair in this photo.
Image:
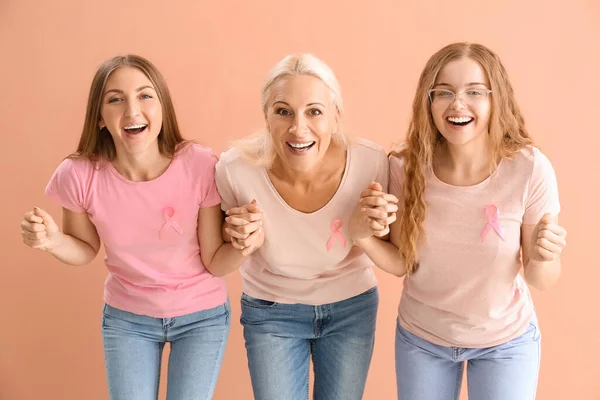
(307, 289)
(137, 185)
(478, 202)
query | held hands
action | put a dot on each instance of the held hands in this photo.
(39, 231)
(374, 214)
(244, 225)
(548, 240)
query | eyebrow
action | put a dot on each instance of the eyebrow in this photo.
(469, 84)
(121, 92)
(308, 105)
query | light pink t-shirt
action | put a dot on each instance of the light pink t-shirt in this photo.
(307, 258)
(468, 292)
(149, 231)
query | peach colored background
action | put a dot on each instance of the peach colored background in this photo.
(214, 55)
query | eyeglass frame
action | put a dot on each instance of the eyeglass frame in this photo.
(459, 95)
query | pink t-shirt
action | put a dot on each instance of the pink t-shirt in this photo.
(149, 231)
(307, 258)
(468, 292)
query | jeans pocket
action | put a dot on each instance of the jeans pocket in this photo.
(253, 302)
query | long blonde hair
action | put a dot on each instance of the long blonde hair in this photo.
(97, 144)
(258, 148)
(507, 136)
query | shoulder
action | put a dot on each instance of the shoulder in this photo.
(76, 168)
(367, 151)
(231, 156)
(531, 160)
(196, 153)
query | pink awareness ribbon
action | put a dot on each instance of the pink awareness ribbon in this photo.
(168, 213)
(492, 213)
(336, 234)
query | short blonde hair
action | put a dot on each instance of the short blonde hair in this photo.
(258, 148)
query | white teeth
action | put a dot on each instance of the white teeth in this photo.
(459, 120)
(139, 126)
(300, 145)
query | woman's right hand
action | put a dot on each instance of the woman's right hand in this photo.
(39, 231)
(244, 226)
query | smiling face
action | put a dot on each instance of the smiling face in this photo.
(131, 111)
(301, 118)
(461, 121)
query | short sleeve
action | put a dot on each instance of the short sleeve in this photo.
(396, 175)
(542, 194)
(66, 188)
(209, 194)
(224, 186)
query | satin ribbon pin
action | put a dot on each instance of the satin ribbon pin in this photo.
(168, 213)
(492, 214)
(336, 234)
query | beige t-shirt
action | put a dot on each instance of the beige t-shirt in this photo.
(468, 291)
(295, 263)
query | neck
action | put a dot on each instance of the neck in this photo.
(316, 176)
(468, 159)
(141, 167)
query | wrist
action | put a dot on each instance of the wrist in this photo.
(55, 243)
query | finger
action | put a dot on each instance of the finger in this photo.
(547, 219)
(236, 211)
(251, 216)
(382, 232)
(33, 243)
(47, 218)
(552, 238)
(556, 229)
(545, 254)
(374, 213)
(549, 246)
(31, 217)
(236, 221)
(235, 234)
(390, 198)
(248, 250)
(376, 186)
(33, 235)
(374, 225)
(373, 201)
(391, 219)
(32, 227)
(389, 208)
(372, 193)
(236, 245)
(251, 240)
(249, 228)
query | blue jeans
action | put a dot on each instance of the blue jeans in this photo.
(133, 346)
(280, 338)
(425, 371)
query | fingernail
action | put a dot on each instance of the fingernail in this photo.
(363, 209)
(227, 219)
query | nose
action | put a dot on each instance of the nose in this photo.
(458, 102)
(299, 127)
(133, 108)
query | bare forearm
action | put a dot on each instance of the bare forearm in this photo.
(73, 251)
(383, 254)
(542, 275)
(225, 260)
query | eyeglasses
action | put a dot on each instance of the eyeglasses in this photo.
(445, 97)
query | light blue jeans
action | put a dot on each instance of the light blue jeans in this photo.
(133, 346)
(425, 371)
(280, 338)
